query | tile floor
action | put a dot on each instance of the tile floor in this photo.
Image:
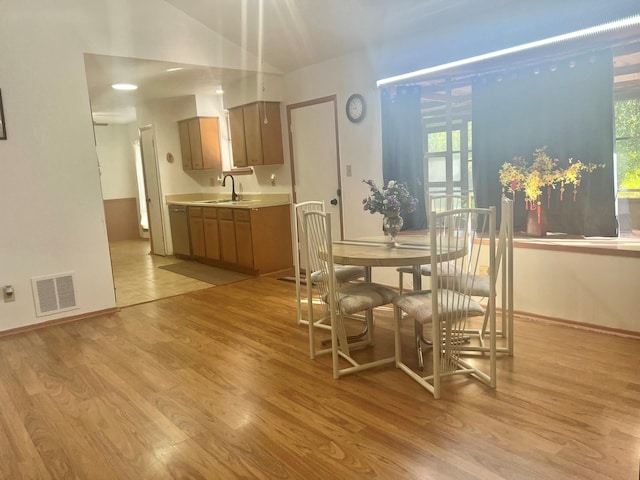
(138, 278)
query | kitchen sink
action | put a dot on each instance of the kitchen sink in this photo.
(227, 200)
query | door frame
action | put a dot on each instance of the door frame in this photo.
(292, 160)
(155, 180)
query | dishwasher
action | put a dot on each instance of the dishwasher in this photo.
(179, 221)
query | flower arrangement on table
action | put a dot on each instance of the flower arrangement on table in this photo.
(543, 172)
(393, 199)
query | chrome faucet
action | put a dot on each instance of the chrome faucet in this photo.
(234, 195)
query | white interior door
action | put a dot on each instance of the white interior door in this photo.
(152, 187)
(315, 157)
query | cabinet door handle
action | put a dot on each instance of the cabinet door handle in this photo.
(334, 201)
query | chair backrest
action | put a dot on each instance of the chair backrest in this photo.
(465, 240)
(504, 264)
(298, 230)
(318, 251)
(440, 202)
(505, 234)
(299, 260)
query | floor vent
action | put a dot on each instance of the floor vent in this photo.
(54, 293)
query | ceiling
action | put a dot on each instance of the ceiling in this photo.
(290, 34)
(155, 80)
(285, 34)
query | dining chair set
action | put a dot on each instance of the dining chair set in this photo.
(454, 319)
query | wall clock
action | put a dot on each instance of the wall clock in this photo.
(356, 107)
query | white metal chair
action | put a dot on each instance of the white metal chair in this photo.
(458, 239)
(437, 203)
(480, 284)
(504, 264)
(298, 237)
(504, 269)
(344, 273)
(339, 301)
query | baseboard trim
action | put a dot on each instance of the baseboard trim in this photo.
(57, 321)
(573, 324)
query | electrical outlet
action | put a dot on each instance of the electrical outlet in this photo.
(8, 293)
(348, 170)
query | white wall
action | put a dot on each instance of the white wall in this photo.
(360, 143)
(49, 161)
(116, 157)
(594, 289)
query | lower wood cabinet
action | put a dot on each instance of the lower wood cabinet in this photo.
(244, 240)
(255, 241)
(211, 233)
(227, 236)
(196, 232)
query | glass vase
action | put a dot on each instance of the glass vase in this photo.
(391, 225)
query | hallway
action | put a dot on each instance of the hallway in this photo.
(138, 278)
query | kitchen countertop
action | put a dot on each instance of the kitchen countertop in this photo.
(247, 200)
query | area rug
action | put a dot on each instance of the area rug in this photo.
(205, 273)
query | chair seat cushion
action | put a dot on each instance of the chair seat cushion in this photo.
(474, 285)
(344, 274)
(452, 278)
(417, 305)
(356, 297)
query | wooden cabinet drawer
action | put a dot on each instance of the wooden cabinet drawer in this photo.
(225, 214)
(242, 215)
(195, 212)
(210, 212)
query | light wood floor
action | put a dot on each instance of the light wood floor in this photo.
(217, 384)
(139, 279)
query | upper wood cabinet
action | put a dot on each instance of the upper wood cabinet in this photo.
(236, 130)
(256, 134)
(200, 143)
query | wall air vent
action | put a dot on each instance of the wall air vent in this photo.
(54, 293)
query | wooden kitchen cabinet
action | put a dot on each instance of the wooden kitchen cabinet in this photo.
(244, 241)
(211, 233)
(200, 143)
(255, 142)
(227, 230)
(256, 241)
(196, 232)
(236, 130)
(266, 237)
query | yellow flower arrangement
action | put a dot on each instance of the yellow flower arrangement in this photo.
(543, 172)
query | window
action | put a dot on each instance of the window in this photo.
(446, 116)
(628, 165)
(446, 122)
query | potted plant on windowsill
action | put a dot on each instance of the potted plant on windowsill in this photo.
(538, 179)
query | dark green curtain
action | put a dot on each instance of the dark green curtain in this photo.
(567, 107)
(402, 149)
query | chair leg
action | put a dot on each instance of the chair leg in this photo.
(418, 339)
(397, 317)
